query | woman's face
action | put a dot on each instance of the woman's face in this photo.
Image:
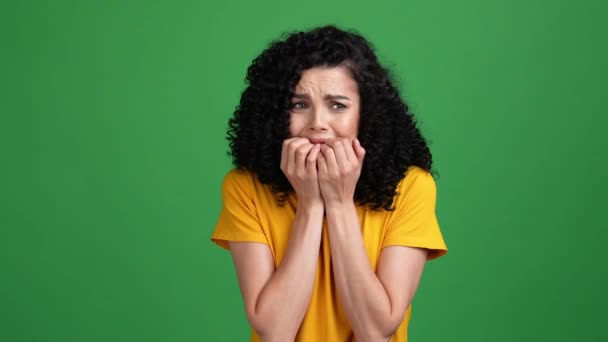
(325, 105)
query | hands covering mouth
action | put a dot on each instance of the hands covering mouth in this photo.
(322, 171)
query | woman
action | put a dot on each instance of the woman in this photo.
(330, 212)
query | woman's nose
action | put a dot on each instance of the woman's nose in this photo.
(318, 121)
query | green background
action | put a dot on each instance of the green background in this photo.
(112, 142)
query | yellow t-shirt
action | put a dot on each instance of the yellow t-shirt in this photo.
(250, 213)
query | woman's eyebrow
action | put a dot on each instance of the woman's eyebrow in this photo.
(326, 97)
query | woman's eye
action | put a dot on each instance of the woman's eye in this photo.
(298, 105)
(338, 106)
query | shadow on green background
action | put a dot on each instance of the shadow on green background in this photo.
(112, 133)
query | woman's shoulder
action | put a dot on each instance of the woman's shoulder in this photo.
(416, 180)
(414, 172)
(237, 173)
(244, 180)
(239, 178)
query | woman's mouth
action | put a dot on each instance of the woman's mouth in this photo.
(317, 140)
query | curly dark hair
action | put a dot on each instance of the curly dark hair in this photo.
(387, 130)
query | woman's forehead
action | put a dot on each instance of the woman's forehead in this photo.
(326, 81)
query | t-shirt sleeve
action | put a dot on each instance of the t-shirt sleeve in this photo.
(413, 223)
(238, 220)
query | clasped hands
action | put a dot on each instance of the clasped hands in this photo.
(325, 173)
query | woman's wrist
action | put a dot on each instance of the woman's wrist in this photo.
(334, 205)
(311, 206)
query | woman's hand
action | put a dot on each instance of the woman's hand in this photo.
(299, 164)
(339, 166)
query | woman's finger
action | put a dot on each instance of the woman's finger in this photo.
(340, 154)
(301, 154)
(311, 160)
(291, 153)
(330, 160)
(322, 164)
(285, 153)
(359, 150)
(349, 150)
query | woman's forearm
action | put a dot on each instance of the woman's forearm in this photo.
(283, 301)
(365, 301)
